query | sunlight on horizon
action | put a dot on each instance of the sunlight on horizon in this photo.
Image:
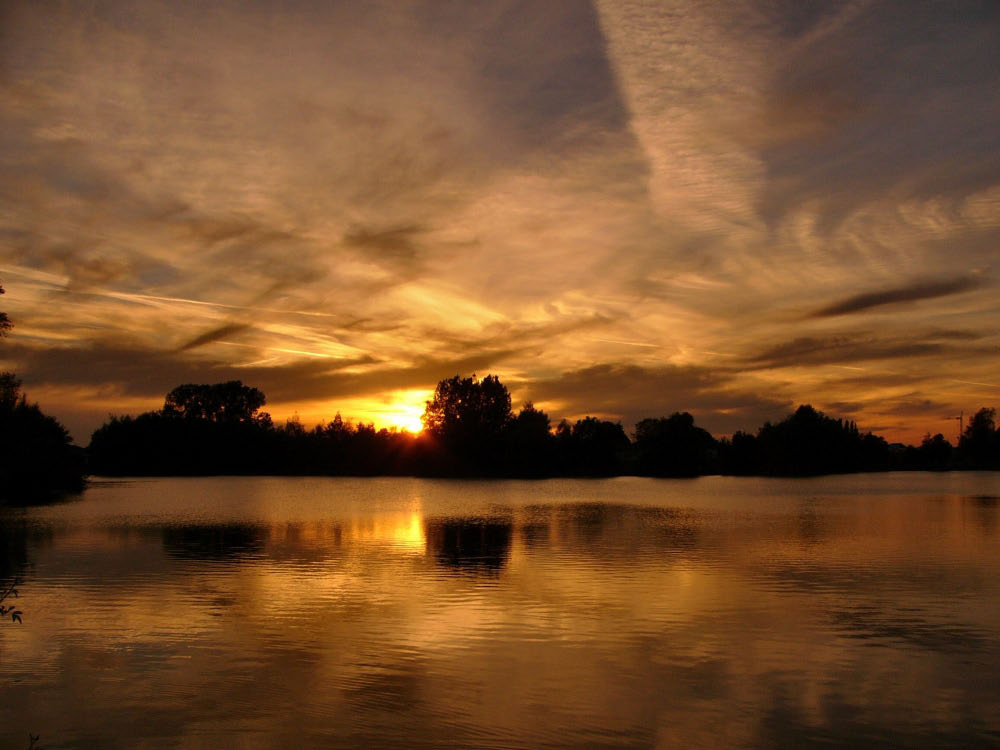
(398, 409)
(405, 410)
(689, 206)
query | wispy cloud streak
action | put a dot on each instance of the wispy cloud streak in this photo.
(645, 193)
(914, 292)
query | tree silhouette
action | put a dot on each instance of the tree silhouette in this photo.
(739, 455)
(809, 443)
(978, 447)
(468, 409)
(37, 457)
(674, 447)
(5, 324)
(934, 453)
(472, 432)
(222, 402)
(468, 418)
(530, 443)
(592, 447)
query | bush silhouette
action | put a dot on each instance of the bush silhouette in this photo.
(37, 458)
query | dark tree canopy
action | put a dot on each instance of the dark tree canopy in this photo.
(808, 443)
(472, 432)
(466, 409)
(591, 447)
(531, 428)
(529, 443)
(739, 455)
(468, 419)
(37, 457)
(228, 402)
(935, 453)
(674, 447)
(979, 447)
(10, 391)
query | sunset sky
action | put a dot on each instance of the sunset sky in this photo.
(622, 208)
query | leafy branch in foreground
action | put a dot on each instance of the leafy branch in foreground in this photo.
(10, 591)
(8, 609)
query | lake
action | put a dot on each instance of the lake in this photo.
(858, 611)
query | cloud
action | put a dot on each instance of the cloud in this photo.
(886, 68)
(398, 243)
(427, 188)
(794, 18)
(531, 339)
(918, 290)
(819, 350)
(914, 403)
(131, 369)
(216, 334)
(630, 393)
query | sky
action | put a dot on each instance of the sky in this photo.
(623, 208)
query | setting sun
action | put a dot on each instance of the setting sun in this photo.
(402, 410)
(698, 298)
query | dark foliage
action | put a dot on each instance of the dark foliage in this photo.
(979, 447)
(472, 431)
(469, 418)
(935, 454)
(8, 592)
(529, 445)
(739, 455)
(674, 447)
(157, 444)
(38, 461)
(809, 443)
(230, 403)
(591, 448)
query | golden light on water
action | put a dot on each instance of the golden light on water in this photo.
(404, 531)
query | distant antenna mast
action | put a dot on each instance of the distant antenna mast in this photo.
(961, 423)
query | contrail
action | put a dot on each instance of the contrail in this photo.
(628, 343)
(182, 300)
(40, 277)
(972, 382)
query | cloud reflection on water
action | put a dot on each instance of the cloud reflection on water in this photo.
(542, 616)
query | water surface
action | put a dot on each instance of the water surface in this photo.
(719, 612)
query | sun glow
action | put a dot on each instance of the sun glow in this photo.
(395, 410)
(402, 410)
(408, 422)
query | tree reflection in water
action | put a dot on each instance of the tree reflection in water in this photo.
(214, 541)
(349, 613)
(472, 545)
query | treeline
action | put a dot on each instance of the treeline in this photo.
(471, 430)
(38, 460)
(37, 457)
